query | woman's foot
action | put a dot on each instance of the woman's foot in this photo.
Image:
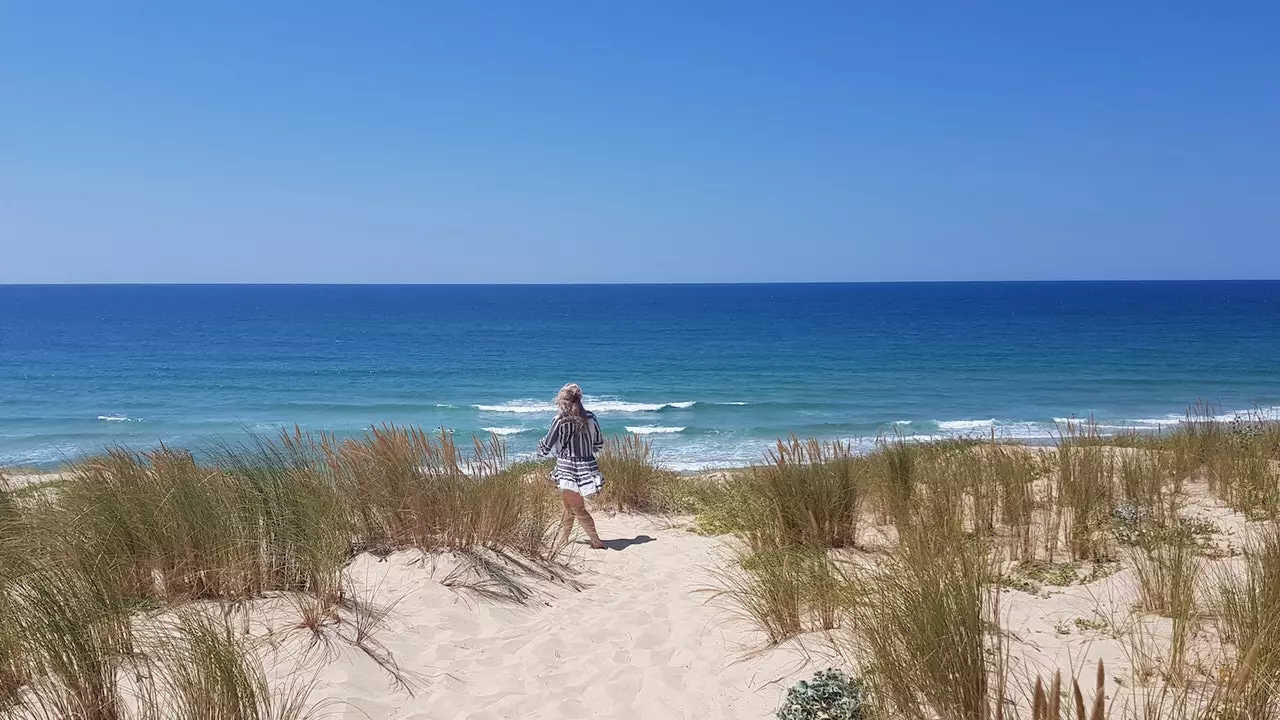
(597, 545)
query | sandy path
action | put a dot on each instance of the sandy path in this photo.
(640, 641)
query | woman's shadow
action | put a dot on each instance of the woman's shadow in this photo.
(624, 543)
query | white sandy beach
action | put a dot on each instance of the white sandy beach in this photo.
(639, 640)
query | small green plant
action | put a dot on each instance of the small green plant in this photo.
(830, 695)
(1032, 576)
(715, 502)
(1094, 624)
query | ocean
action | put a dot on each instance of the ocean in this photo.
(711, 374)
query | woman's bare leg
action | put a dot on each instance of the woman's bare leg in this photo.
(574, 504)
(566, 519)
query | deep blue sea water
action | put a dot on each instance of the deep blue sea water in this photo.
(711, 374)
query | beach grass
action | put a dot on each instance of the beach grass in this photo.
(1249, 619)
(1015, 472)
(790, 512)
(922, 615)
(1086, 492)
(633, 481)
(127, 533)
(206, 670)
(806, 493)
(923, 628)
(288, 514)
(786, 592)
(895, 556)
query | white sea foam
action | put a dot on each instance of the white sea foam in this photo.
(965, 424)
(901, 422)
(1004, 430)
(533, 407)
(505, 430)
(692, 466)
(865, 445)
(1024, 431)
(1267, 414)
(117, 418)
(1130, 423)
(1165, 421)
(522, 407)
(653, 429)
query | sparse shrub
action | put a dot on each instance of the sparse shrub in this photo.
(1014, 472)
(13, 671)
(807, 494)
(1136, 527)
(1030, 576)
(128, 531)
(897, 487)
(204, 670)
(708, 498)
(830, 695)
(1249, 618)
(73, 635)
(1246, 480)
(1146, 479)
(1086, 493)
(922, 627)
(1166, 576)
(789, 591)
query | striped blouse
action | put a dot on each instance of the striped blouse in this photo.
(569, 440)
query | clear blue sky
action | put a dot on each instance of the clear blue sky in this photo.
(639, 141)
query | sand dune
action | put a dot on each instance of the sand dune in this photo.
(645, 638)
(639, 640)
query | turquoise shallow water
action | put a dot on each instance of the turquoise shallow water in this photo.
(711, 374)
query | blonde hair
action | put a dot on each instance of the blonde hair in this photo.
(569, 403)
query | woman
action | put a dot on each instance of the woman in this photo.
(574, 440)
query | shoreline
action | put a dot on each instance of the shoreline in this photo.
(686, 442)
(662, 445)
